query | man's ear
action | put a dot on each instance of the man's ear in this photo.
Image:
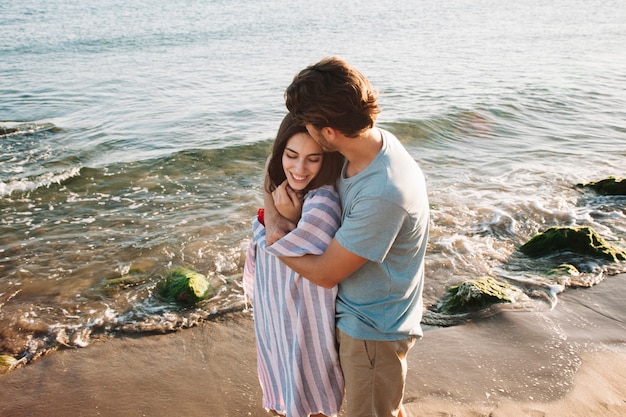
(329, 133)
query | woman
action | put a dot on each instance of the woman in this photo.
(298, 364)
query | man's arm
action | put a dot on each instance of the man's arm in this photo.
(328, 269)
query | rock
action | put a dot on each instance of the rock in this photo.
(581, 240)
(564, 269)
(184, 286)
(5, 130)
(607, 186)
(477, 293)
(7, 363)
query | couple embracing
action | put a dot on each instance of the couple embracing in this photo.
(335, 268)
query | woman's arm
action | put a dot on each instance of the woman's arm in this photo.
(276, 226)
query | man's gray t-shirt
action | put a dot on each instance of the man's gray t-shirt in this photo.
(385, 217)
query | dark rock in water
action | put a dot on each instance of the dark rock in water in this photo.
(475, 294)
(25, 128)
(607, 186)
(581, 240)
(4, 130)
(184, 286)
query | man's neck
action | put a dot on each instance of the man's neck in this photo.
(361, 151)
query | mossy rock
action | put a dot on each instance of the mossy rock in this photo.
(564, 269)
(7, 363)
(581, 240)
(607, 186)
(475, 294)
(184, 286)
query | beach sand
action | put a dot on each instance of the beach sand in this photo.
(570, 361)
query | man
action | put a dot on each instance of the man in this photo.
(377, 255)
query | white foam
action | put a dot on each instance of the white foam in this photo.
(44, 180)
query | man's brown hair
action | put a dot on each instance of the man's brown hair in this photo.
(332, 93)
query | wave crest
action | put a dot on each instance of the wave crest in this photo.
(44, 180)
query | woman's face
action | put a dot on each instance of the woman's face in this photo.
(302, 160)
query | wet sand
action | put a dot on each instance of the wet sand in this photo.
(570, 361)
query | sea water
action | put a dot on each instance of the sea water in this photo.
(133, 137)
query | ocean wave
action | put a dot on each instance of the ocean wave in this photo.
(127, 304)
(440, 131)
(44, 180)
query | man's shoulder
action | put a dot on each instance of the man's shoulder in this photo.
(393, 148)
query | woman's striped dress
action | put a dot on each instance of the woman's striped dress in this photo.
(297, 357)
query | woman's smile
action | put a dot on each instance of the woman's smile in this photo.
(297, 177)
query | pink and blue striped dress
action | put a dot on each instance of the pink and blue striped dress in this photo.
(297, 358)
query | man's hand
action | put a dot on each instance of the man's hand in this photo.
(274, 231)
(287, 202)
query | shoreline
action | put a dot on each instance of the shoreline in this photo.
(567, 361)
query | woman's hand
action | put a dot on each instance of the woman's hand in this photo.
(288, 202)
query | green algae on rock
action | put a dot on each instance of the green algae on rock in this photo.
(581, 240)
(477, 293)
(564, 269)
(607, 186)
(569, 276)
(8, 363)
(184, 286)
